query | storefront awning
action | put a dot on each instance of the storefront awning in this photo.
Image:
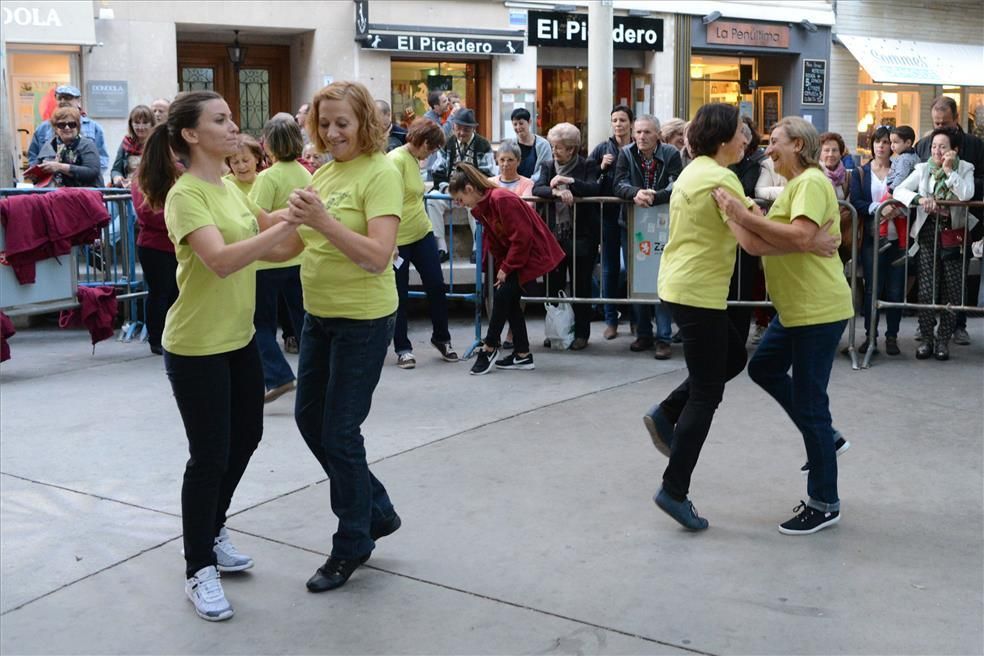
(33, 21)
(917, 62)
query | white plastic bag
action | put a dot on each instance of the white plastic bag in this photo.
(558, 327)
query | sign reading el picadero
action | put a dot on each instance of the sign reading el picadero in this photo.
(757, 35)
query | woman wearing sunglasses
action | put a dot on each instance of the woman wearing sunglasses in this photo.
(71, 159)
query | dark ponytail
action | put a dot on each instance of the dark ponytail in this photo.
(466, 174)
(158, 170)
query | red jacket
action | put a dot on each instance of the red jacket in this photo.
(39, 226)
(97, 312)
(516, 236)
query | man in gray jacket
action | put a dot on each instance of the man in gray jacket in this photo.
(644, 174)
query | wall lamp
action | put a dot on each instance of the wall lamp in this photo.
(237, 53)
(711, 17)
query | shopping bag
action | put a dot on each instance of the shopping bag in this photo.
(558, 327)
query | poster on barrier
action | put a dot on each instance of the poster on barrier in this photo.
(649, 230)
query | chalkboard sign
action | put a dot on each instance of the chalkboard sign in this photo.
(814, 81)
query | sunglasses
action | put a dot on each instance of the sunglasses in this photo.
(66, 125)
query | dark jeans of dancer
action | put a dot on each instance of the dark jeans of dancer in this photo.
(220, 398)
(715, 354)
(743, 288)
(809, 352)
(506, 307)
(159, 268)
(891, 285)
(271, 285)
(423, 255)
(339, 367)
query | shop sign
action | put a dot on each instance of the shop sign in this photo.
(107, 98)
(443, 44)
(814, 81)
(48, 22)
(757, 35)
(549, 28)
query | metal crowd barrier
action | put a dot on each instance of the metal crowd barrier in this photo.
(877, 304)
(110, 261)
(739, 302)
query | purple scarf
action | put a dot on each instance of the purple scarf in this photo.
(838, 176)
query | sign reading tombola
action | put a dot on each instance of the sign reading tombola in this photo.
(550, 28)
(438, 43)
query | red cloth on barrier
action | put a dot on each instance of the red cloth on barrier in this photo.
(153, 231)
(39, 226)
(97, 312)
(6, 331)
(517, 237)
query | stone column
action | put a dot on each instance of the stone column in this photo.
(601, 67)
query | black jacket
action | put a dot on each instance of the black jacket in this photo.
(585, 184)
(628, 174)
(606, 178)
(748, 171)
(479, 155)
(84, 171)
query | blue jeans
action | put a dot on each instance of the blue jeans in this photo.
(270, 283)
(810, 351)
(644, 322)
(891, 285)
(339, 367)
(423, 255)
(614, 242)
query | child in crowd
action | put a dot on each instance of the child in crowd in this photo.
(245, 164)
(523, 249)
(903, 164)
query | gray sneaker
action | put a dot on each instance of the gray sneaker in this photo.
(961, 337)
(204, 590)
(227, 558)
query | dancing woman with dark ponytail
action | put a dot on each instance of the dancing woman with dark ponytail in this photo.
(210, 353)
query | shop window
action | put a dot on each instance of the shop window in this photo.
(723, 80)
(34, 76)
(975, 114)
(197, 79)
(413, 80)
(254, 100)
(886, 107)
(562, 98)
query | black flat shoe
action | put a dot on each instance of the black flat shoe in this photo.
(942, 352)
(384, 527)
(334, 573)
(892, 346)
(925, 351)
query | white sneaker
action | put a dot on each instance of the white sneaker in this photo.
(227, 558)
(204, 589)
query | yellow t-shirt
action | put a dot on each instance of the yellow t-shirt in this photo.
(699, 257)
(807, 289)
(244, 187)
(212, 314)
(354, 192)
(271, 190)
(414, 225)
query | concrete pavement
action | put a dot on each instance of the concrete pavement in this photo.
(526, 502)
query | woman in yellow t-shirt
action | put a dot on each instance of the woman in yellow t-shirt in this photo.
(418, 246)
(813, 304)
(210, 355)
(694, 277)
(278, 285)
(351, 215)
(245, 163)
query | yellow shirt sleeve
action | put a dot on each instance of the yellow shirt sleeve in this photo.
(262, 192)
(186, 212)
(731, 183)
(809, 199)
(386, 199)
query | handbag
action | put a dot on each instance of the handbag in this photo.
(558, 326)
(952, 238)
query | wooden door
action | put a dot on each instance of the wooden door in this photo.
(257, 90)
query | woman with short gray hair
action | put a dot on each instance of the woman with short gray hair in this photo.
(508, 157)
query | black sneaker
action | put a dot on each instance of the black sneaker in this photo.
(484, 361)
(840, 446)
(334, 573)
(512, 361)
(809, 520)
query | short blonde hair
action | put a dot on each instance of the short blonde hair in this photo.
(672, 128)
(566, 134)
(372, 134)
(797, 128)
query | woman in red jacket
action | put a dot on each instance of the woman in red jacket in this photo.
(522, 248)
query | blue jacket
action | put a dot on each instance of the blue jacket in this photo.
(45, 133)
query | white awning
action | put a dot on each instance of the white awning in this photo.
(918, 62)
(70, 22)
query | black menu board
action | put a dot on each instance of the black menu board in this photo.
(814, 81)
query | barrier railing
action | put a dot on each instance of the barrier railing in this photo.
(110, 261)
(878, 304)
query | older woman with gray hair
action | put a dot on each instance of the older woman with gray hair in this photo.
(508, 157)
(577, 228)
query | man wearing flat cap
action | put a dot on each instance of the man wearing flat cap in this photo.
(69, 95)
(464, 146)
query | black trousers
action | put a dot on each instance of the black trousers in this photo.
(584, 264)
(506, 307)
(715, 353)
(159, 269)
(220, 398)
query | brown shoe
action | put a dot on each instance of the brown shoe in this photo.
(277, 392)
(663, 351)
(641, 344)
(611, 332)
(579, 344)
